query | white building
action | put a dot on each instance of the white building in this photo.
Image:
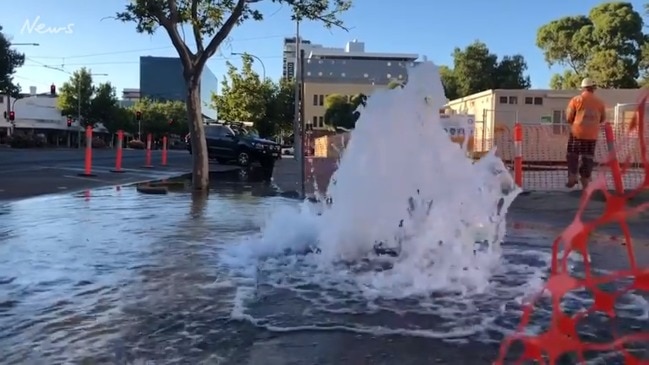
(37, 114)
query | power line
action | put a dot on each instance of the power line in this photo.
(65, 64)
(143, 49)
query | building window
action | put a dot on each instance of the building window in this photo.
(315, 120)
(315, 99)
(558, 121)
(321, 100)
(529, 100)
(503, 100)
(321, 121)
(513, 100)
(538, 101)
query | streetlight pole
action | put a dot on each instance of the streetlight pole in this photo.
(78, 97)
(263, 67)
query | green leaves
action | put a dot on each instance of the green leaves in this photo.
(161, 117)
(79, 98)
(341, 111)
(476, 69)
(10, 60)
(607, 46)
(244, 97)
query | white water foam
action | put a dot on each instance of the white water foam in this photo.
(399, 166)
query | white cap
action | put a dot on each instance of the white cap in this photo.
(587, 82)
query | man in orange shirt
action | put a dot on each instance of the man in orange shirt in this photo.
(585, 113)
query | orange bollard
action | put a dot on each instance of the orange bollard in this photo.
(164, 151)
(87, 171)
(119, 152)
(149, 141)
(616, 171)
(518, 155)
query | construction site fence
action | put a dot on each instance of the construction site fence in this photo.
(542, 155)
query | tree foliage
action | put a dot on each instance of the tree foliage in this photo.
(606, 45)
(90, 104)
(213, 19)
(476, 69)
(160, 117)
(10, 60)
(244, 97)
(341, 111)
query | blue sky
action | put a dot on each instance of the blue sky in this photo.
(425, 27)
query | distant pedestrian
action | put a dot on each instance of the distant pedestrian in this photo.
(585, 113)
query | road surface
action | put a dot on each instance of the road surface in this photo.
(30, 172)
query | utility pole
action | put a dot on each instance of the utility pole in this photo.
(297, 121)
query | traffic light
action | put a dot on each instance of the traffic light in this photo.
(69, 122)
(53, 90)
(138, 115)
(12, 116)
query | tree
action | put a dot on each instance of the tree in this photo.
(213, 19)
(281, 109)
(10, 60)
(161, 118)
(103, 104)
(341, 112)
(476, 69)
(121, 118)
(89, 104)
(607, 46)
(243, 96)
(449, 81)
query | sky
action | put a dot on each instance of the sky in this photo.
(89, 37)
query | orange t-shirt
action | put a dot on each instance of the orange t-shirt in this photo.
(585, 113)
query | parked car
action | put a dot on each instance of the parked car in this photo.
(231, 143)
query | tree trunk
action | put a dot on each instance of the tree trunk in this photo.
(201, 167)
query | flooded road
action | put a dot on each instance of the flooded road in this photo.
(114, 277)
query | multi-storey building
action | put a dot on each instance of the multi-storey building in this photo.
(348, 71)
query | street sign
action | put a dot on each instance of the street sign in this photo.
(460, 127)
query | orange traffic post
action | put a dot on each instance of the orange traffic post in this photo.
(616, 171)
(87, 171)
(119, 152)
(149, 142)
(164, 151)
(518, 156)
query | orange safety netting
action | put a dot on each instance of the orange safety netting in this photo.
(561, 336)
(544, 153)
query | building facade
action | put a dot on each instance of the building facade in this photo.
(497, 109)
(289, 56)
(161, 78)
(38, 115)
(347, 71)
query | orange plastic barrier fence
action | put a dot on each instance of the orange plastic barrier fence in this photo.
(543, 149)
(562, 336)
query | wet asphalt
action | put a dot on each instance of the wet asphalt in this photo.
(116, 277)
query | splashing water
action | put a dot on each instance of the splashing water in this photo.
(399, 153)
(401, 184)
